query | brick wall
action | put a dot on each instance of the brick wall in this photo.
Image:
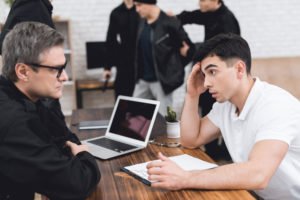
(271, 28)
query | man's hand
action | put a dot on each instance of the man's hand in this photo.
(170, 13)
(195, 82)
(106, 74)
(184, 49)
(167, 174)
(75, 149)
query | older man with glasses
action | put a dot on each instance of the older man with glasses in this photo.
(38, 153)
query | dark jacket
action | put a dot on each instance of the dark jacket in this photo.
(33, 157)
(121, 34)
(215, 22)
(167, 36)
(27, 10)
(120, 40)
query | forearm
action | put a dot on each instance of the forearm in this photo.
(190, 121)
(232, 176)
(256, 173)
(184, 17)
(112, 41)
(76, 180)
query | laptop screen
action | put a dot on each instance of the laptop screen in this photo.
(132, 119)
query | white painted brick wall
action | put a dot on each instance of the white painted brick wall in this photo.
(272, 28)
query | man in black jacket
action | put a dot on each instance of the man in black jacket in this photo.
(216, 19)
(161, 43)
(214, 16)
(27, 10)
(38, 153)
(120, 39)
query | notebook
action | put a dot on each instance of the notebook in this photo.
(186, 162)
(128, 130)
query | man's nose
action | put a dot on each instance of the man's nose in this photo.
(207, 83)
(64, 76)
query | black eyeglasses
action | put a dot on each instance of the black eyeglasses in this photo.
(58, 68)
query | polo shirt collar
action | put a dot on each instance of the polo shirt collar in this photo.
(250, 102)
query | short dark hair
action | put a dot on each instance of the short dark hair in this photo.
(226, 47)
(26, 43)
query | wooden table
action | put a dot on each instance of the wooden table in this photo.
(115, 185)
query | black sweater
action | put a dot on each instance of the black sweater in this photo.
(27, 10)
(121, 37)
(215, 22)
(32, 153)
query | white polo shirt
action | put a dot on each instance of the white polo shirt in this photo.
(269, 113)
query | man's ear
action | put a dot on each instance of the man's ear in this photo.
(240, 69)
(22, 71)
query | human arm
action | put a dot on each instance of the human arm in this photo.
(229, 24)
(38, 163)
(192, 17)
(255, 173)
(106, 74)
(184, 49)
(181, 40)
(194, 130)
(75, 148)
(170, 13)
(112, 41)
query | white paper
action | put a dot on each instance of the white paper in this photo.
(185, 161)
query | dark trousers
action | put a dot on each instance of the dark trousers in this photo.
(213, 149)
(124, 83)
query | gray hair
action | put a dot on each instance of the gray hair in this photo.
(26, 43)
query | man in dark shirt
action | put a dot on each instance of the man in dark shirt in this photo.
(216, 19)
(121, 37)
(214, 16)
(38, 153)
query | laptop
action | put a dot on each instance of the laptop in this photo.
(94, 124)
(128, 130)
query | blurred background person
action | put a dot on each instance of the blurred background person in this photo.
(27, 10)
(161, 45)
(120, 40)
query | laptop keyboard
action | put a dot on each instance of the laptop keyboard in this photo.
(112, 144)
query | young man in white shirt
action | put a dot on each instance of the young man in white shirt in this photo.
(258, 121)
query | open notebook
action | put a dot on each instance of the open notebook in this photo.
(186, 162)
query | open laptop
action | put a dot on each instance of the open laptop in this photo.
(128, 130)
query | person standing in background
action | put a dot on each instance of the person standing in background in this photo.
(216, 18)
(162, 44)
(120, 40)
(27, 10)
(214, 15)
